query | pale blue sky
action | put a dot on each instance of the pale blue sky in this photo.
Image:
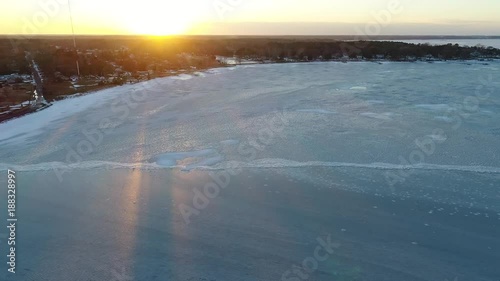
(454, 17)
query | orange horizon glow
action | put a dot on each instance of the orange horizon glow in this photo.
(244, 17)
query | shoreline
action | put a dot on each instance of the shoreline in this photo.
(7, 116)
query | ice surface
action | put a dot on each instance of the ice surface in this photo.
(320, 111)
(183, 77)
(304, 172)
(375, 101)
(381, 116)
(230, 142)
(444, 118)
(32, 124)
(436, 107)
(438, 138)
(222, 115)
(198, 158)
(211, 160)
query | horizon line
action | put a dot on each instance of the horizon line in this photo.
(443, 36)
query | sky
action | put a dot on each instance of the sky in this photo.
(252, 17)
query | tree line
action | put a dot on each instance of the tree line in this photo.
(101, 56)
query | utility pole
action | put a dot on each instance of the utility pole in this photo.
(74, 39)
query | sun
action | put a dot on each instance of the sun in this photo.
(159, 26)
(167, 18)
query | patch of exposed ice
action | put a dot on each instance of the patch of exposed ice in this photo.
(182, 77)
(379, 116)
(179, 159)
(230, 142)
(435, 107)
(200, 74)
(320, 111)
(439, 138)
(375, 101)
(444, 118)
(199, 157)
(204, 163)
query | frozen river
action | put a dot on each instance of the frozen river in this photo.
(237, 173)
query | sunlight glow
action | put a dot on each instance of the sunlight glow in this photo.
(167, 18)
(232, 17)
